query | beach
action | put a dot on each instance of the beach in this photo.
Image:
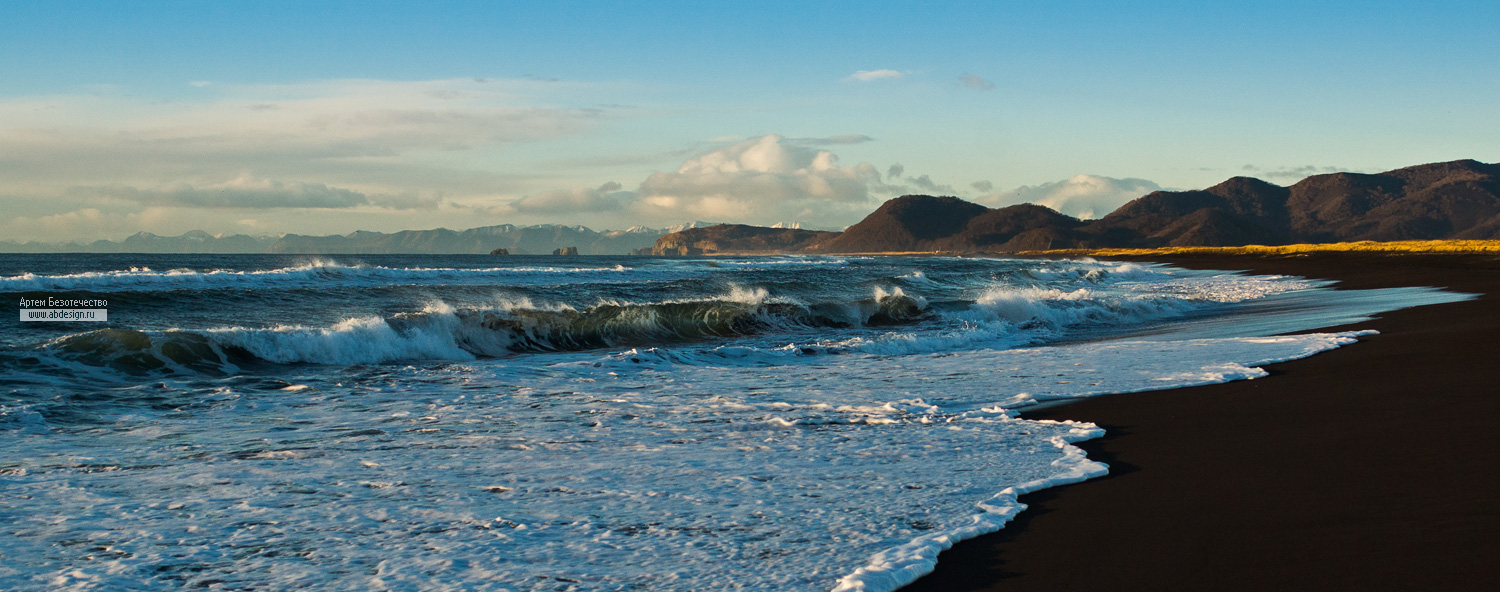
(1368, 467)
(466, 422)
(770, 423)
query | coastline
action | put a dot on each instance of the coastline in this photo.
(1367, 467)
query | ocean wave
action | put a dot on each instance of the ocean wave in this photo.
(139, 353)
(784, 262)
(1091, 271)
(1010, 316)
(892, 322)
(1002, 317)
(443, 332)
(1054, 308)
(886, 321)
(315, 273)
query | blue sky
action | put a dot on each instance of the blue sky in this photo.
(322, 117)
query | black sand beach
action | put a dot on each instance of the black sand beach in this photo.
(1372, 467)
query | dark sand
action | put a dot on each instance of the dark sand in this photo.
(1375, 466)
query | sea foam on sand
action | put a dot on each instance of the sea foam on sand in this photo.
(848, 472)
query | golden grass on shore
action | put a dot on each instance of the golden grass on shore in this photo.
(1393, 247)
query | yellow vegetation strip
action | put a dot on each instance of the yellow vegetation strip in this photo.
(1433, 246)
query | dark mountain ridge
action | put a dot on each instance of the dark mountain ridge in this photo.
(1433, 201)
(1448, 200)
(927, 223)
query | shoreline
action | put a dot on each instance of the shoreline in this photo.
(1372, 466)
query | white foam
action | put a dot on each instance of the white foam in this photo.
(364, 340)
(918, 277)
(901, 565)
(1001, 317)
(1091, 271)
(826, 471)
(438, 332)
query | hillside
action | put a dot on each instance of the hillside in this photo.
(1449, 200)
(927, 223)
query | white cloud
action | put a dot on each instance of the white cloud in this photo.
(604, 198)
(340, 131)
(975, 82)
(339, 183)
(408, 200)
(252, 193)
(1082, 196)
(240, 193)
(337, 117)
(871, 75)
(759, 180)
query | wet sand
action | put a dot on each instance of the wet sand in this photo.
(1372, 467)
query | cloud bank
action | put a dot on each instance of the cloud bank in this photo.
(343, 132)
(762, 180)
(242, 193)
(604, 198)
(772, 179)
(332, 156)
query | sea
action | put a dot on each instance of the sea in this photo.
(465, 422)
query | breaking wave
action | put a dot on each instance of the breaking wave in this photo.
(443, 332)
(893, 322)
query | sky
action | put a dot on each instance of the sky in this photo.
(329, 117)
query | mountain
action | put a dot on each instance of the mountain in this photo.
(1239, 211)
(927, 223)
(1458, 200)
(1449, 200)
(1445, 200)
(908, 223)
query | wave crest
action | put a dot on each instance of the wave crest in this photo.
(443, 332)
